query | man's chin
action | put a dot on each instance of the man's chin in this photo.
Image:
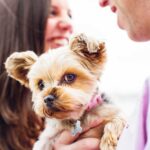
(120, 25)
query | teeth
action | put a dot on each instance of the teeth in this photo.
(61, 41)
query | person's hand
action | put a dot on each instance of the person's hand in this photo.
(65, 141)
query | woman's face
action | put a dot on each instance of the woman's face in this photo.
(133, 16)
(59, 26)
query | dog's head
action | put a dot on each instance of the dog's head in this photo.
(62, 81)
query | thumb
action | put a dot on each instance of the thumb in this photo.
(66, 138)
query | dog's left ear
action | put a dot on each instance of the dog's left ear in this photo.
(19, 64)
(92, 53)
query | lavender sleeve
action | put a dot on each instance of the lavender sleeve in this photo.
(139, 127)
(143, 138)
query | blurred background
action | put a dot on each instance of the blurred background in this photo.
(128, 62)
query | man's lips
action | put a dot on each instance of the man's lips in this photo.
(106, 3)
(113, 9)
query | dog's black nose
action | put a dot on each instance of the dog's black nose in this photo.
(49, 100)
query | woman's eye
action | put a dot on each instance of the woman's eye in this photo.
(41, 85)
(53, 12)
(69, 78)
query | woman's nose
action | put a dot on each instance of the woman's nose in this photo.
(65, 25)
(103, 3)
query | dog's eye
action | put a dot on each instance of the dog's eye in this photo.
(41, 84)
(69, 78)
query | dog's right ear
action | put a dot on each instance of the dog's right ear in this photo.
(92, 52)
(18, 65)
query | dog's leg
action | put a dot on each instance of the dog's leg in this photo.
(47, 137)
(43, 144)
(45, 141)
(112, 132)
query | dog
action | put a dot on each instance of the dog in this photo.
(64, 85)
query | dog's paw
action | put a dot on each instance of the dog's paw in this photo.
(112, 132)
(43, 145)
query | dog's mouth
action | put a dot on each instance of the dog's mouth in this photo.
(62, 106)
(61, 112)
(50, 112)
(55, 109)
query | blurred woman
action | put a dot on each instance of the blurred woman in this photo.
(59, 24)
(22, 27)
(26, 25)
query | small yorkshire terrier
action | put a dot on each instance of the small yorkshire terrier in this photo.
(64, 87)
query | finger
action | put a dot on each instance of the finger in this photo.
(93, 124)
(66, 138)
(86, 144)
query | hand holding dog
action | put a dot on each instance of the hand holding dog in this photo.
(63, 143)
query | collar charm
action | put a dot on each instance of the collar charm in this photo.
(77, 128)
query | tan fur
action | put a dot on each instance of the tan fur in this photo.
(18, 65)
(46, 75)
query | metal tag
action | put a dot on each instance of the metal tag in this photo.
(77, 128)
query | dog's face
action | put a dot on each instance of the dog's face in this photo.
(62, 81)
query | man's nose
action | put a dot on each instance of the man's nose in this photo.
(103, 3)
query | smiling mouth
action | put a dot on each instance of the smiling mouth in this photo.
(58, 39)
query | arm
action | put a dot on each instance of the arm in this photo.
(46, 139)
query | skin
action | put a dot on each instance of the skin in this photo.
(133, 16)
(59, 26)
(80, 145)
(63, 143)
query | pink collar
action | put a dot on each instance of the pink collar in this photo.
(95, 101)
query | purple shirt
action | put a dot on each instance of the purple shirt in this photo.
(128, 141)
(143, 138)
